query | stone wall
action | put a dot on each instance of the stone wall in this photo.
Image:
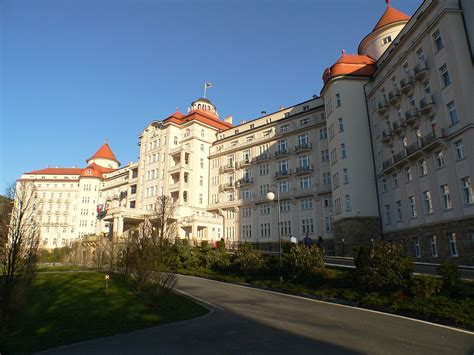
(464, 232)
(355, 231)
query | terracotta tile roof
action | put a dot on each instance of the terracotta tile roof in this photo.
(201, 116)
(350, 64)
(391, 15)
(56, 171)
(104, 152)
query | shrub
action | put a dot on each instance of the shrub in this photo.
(426, 287)
(219, 260)
(249, 260)
(451, 282)
(383, 268)
(304, 264)
(189, 257)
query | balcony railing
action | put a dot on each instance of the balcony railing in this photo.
(282, 174)
(427, 104)
(386, 135)
(227, 167)
(302, 147)
(262, 157)
(421, 70)
(324, 188)
(304, 169)
(394, 96)
(245, 162)
(406, 84)
(244, 181)
(411, 115)
(382, 106)
(281, 152)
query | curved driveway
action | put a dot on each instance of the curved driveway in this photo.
(247, 320)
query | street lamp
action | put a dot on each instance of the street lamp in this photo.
(271, 197)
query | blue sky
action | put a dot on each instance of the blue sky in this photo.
(76, 72)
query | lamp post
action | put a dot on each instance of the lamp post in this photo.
(271, 197)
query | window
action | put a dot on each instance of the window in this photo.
(202, 148)
(328, 224)
(285, 206)
(175, 140)
(331, 131)
(201, 163)
(439, 158)
(325, 155)
(395, 180)
(338, 100)
(343, 151)
(305, 183)
(200, 199)
(348, 203)
(285, 128)
(408, 174)
(387, 214)
(335, 180)
(327, 201)
(305, 121)
(201, 181)
(438, 41)
(263, 169)
(282, 146)
(416, 244)
(246, 193)
(264, 229)
(341, 125)
(346, 175)
(303, 140)
(265, 209)
(306, 108)
(420, 54)
(422, 167)
(428, 202)
(412, 206)
(326, 178)
(283, 166)
(323, 133)
(247, 212)
(446, 198)
(304, 162)
(453, 113)
(399, 210)
(387, 40)
(284, 186)
(246, 231)
(384, 185)
(445, 78)
(466, 190)
(433, 246)
(306, 204)
(264, 189)
(459, 147)
(285, 227)
(452, 244)
(307, 225)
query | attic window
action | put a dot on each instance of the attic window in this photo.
(88, 172)
(387, 40)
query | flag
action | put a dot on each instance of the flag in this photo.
(208, 85)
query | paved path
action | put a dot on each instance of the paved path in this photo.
(246, 320)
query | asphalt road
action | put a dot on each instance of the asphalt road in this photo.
(466, 272)
(247, 320)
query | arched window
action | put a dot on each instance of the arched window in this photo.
(199, 105)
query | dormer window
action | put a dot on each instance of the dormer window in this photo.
(387, 39)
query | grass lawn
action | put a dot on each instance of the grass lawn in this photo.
(65, 308)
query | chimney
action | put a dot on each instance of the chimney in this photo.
(228, 119)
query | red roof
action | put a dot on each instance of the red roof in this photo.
(56, 171)
(350, 64)
(104, 152)
(201, 116)
(391, 15)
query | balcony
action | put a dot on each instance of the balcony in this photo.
(324, 189)
(177, 167)
(227, 167)
(302, 147)
(245, 162)
(281, 152)
(412, 115)
(382, 106)
(394, 96)
(397, 127)
(413, 150)
(421, 70)
(304, 169)
(386, 135)
(282, 174)
(244, 181)
(406, 84)
(262, 157)
(226, 186)
(427, 105)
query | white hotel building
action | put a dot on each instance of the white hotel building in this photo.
(385, 151)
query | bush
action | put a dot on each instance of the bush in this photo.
(219, 260)
(426, 287)
(249, 260)
(451, 282)
(304, 264)
(188, 257)
(383, 268)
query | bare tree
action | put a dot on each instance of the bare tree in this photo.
(19, 255)
(149, 253)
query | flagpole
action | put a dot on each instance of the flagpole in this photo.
(205, 87)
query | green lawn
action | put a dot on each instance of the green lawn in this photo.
(64, 308)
